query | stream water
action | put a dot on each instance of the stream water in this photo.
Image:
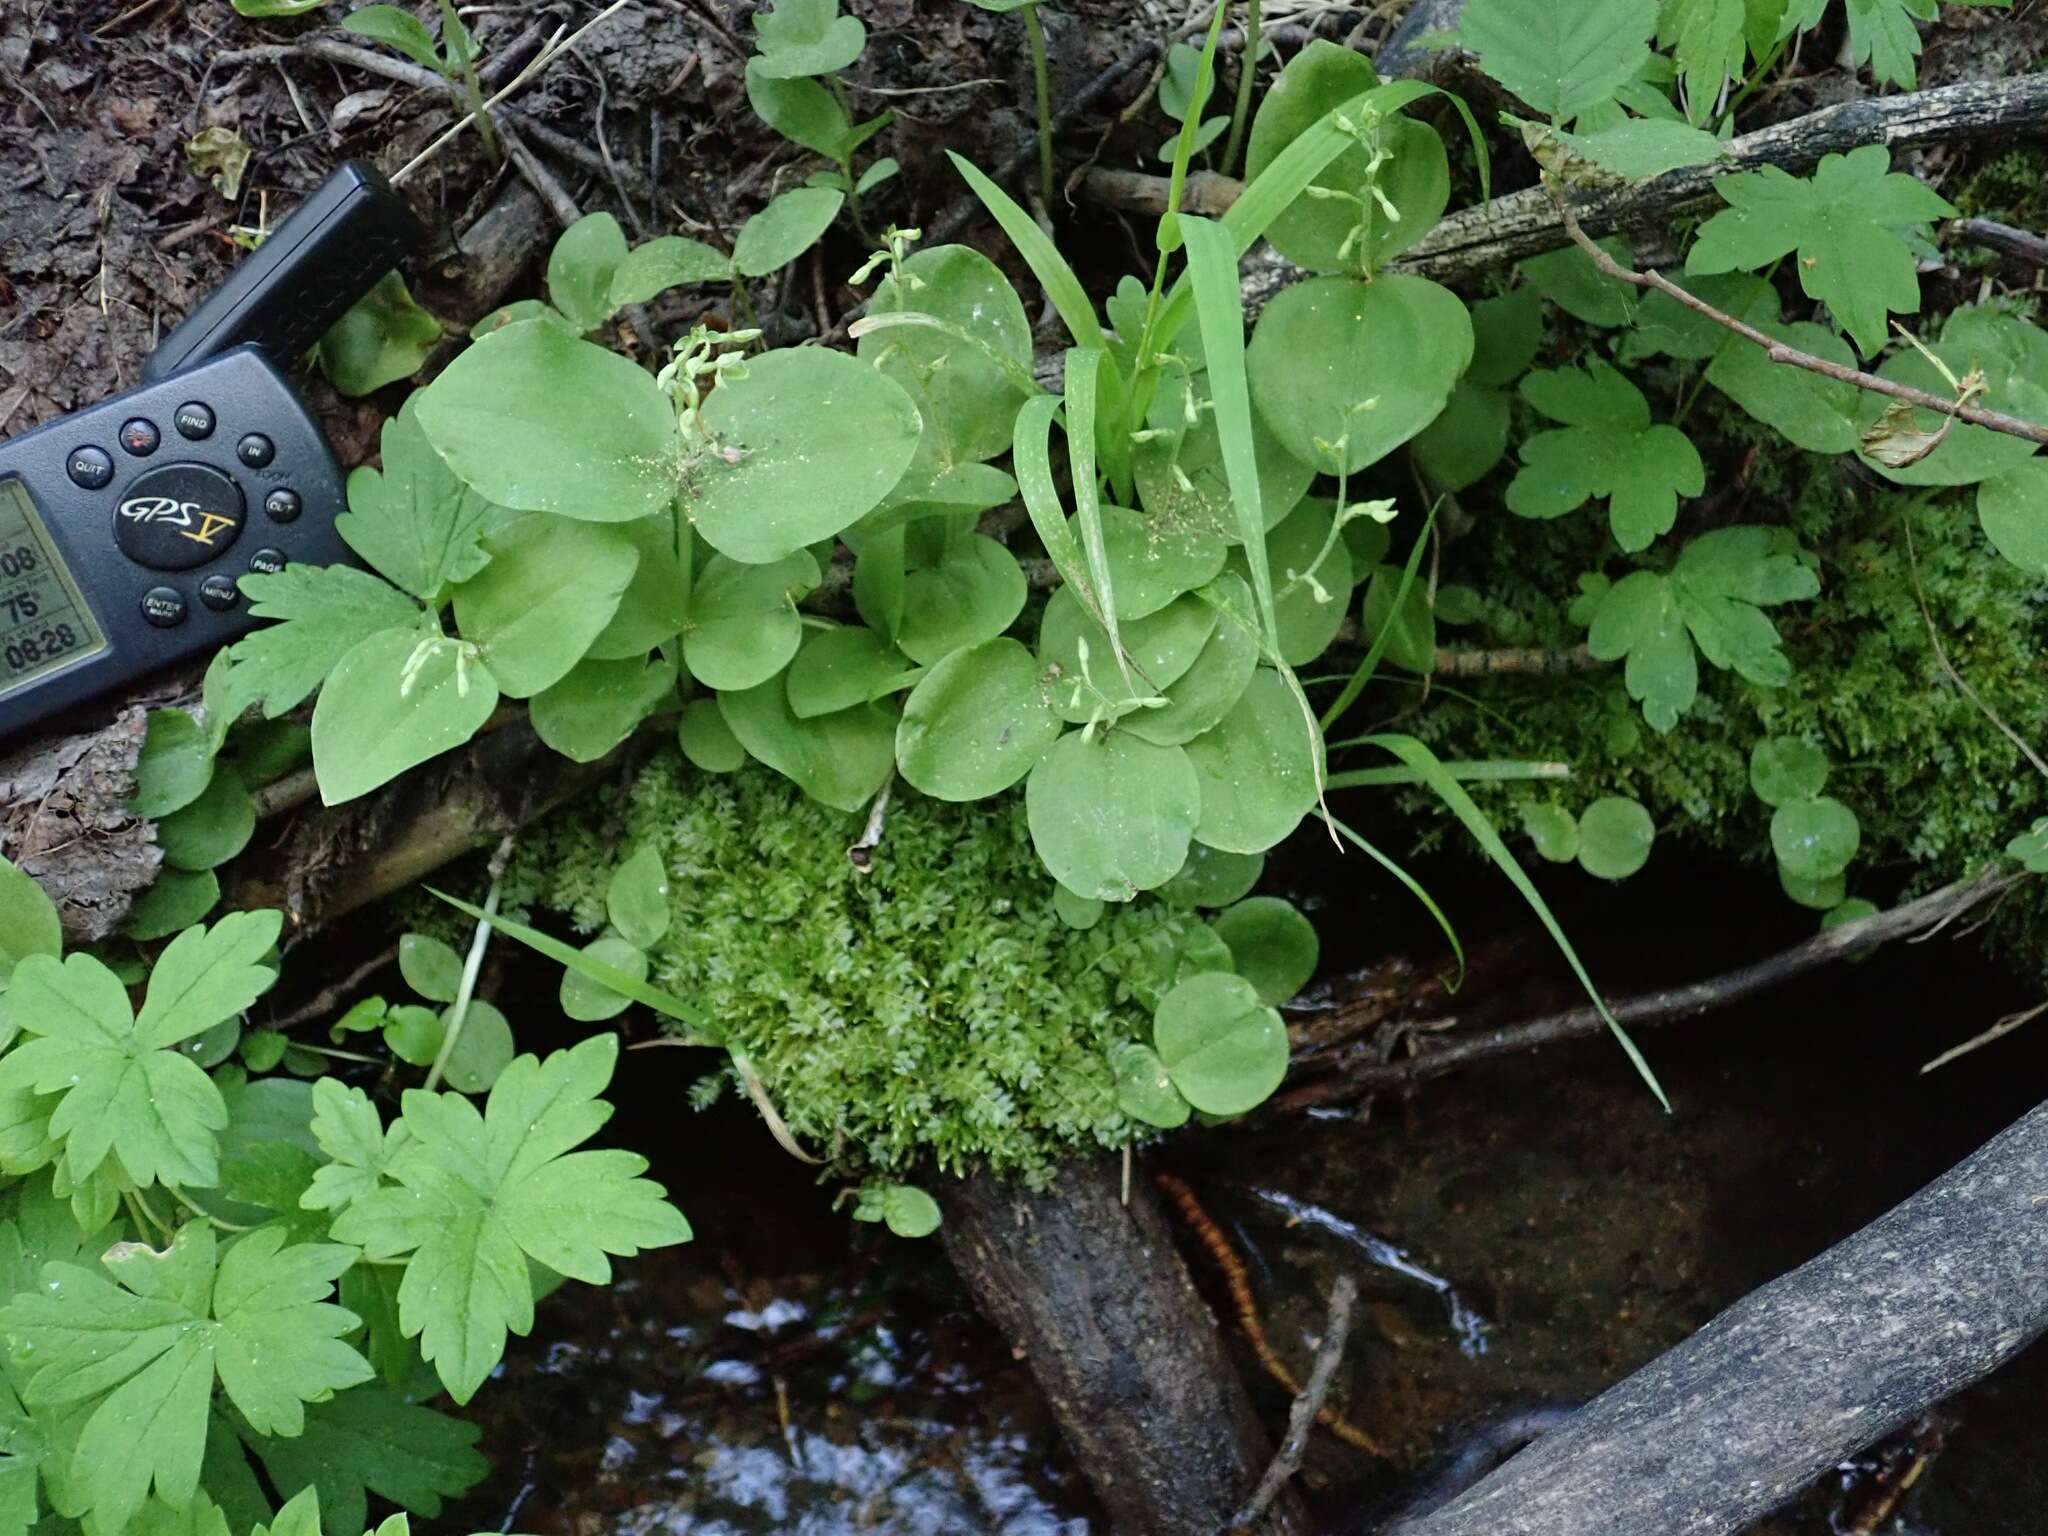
(1523, 1234)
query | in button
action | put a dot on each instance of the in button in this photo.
(255, 450)
(179, 515)
(164, 607)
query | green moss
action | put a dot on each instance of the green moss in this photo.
(935, 1007)
(2011, 187)
(1936, 785)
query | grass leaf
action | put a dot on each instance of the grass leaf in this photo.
(1425, 762)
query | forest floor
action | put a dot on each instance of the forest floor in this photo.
(803, 1375)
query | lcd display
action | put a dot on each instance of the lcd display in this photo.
(44, 623)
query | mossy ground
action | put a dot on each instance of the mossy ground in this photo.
(1936, 785)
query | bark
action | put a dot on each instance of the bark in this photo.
(1784, 1384)
(1527, 223)
(331, 861)
(1094, 1292)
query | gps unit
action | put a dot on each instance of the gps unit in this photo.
(125, 528)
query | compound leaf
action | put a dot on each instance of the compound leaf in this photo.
(478, 1196)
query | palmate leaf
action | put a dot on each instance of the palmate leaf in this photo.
(324, 611)
(1560, 59)
(111, 1081)
(1608, 446)
(143, 1354)
(370, 1439)
(1712, 597)
(479, 1195)
(413, 520)
(1845, 222)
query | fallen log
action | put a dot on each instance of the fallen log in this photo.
(1527, 223)
(1784, 1384)
(1094, 1294)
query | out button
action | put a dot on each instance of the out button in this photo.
(178, 516)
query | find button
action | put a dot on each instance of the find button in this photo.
(178, 516)
(194, 420)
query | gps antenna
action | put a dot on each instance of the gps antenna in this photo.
(332, 250)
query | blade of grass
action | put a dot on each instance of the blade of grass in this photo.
(1415, 889)
(1219, 307)
(1083, 375)
(1290, 172)
(1491, 770)
(1417, 756)
(1031, 459)
(1039, 253)
(621, 982)
(1355, 684)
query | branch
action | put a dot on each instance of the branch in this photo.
(2003, 238)
(1781, 352)
(1301, 1417)
(1843, 942)
(1821, 1362)
(1526, 223)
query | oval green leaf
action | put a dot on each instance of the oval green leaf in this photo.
(1112, 816)
(1225, 1050)
(976, 723)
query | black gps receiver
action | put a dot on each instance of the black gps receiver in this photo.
(125, 527)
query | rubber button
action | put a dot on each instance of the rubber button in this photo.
(179, 515)
(164, 607)
(140, 437)
(268, 562)
(194, 421)
(219, 593)
(90, 468)
(283, 506)
(255, 450)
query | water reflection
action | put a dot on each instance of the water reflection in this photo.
(788, 1372)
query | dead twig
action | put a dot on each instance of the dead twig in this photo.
(862, 854)
(330, 997)
(1449, 1051)
(1300, 1417)
(1239, 1285)
(1791, 356)
(2003, 238)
